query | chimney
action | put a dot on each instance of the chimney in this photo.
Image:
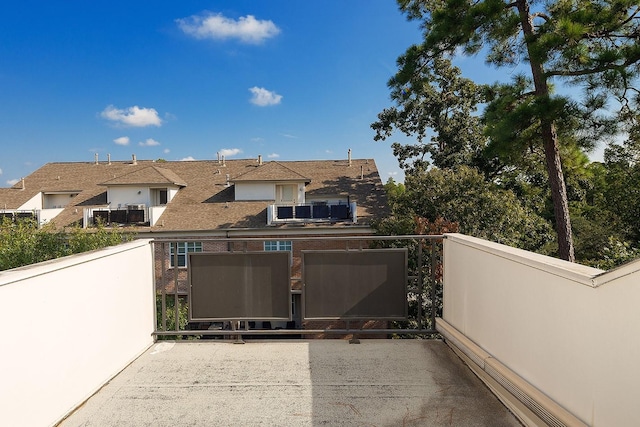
(223, 163)
(108, 159)
(22, 180)
(361, 172)
(134, 160)
(260, 159)
(95, 158)
(218, 154)
(349, 156)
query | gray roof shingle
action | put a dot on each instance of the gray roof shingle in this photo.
(204, 201)
(151, 175)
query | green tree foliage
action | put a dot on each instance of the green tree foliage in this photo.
(22, 242)
(437, 106)
(589, 43)
(481, 208)
(170, 316)
(622, 191)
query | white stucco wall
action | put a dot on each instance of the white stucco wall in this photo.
(255, 191)
(123, 196)
(568, 330)
(155, 213)
(33, 203)
(52, 201)
(171, 193)
(615, 347)
(46, 215)
(69, 326)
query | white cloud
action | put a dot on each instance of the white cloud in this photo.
(257, 139)
(0, 171)
(263, 97)
(187, 159)
(12, 182)
(247, 29)
(166, 151)
(132, 116)
(150, 142)
(288, 135)
(228, 152)
(273, 156)
(123, 140)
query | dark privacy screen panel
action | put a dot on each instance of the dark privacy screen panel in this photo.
(240, 286)
(367, 284)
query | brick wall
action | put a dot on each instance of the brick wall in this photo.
(165, 275)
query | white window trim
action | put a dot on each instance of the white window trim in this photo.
(184, 248)
(278, 245)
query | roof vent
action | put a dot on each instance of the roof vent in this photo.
(134, 159)
(95, 156)
(260, 159)
(108, 159)
(349, 156)
(227, 178)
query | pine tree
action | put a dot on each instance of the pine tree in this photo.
(590, 43)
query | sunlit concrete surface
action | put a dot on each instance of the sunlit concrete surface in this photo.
(295, 383)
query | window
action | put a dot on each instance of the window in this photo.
(183, 249)
(286, 193)
(159, 196)
(163, 196)
(277, 245)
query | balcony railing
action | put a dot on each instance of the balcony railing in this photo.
(423, 289)
(130, 215)
(14, 215)
(312, 212)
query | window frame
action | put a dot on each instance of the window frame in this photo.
(184, 248)
(282, 196)
(278, 245)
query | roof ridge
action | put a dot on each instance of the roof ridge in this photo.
(269, 168)
(165, 173)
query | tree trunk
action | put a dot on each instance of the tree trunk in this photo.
(550, 144)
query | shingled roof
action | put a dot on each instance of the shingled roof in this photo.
(150, 175)
(271, 171)
(205, 201)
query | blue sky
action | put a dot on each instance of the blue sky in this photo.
(177, 80)
(180, 80)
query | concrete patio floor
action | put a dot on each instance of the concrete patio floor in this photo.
(295, 383)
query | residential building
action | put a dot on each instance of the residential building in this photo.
(190, 200)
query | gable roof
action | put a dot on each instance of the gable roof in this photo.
(150, 175)
(271, 171)
(205, 202)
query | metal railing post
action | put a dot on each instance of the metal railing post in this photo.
(420, 284)
(163, 282)
(432, 279)
(176, 300)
